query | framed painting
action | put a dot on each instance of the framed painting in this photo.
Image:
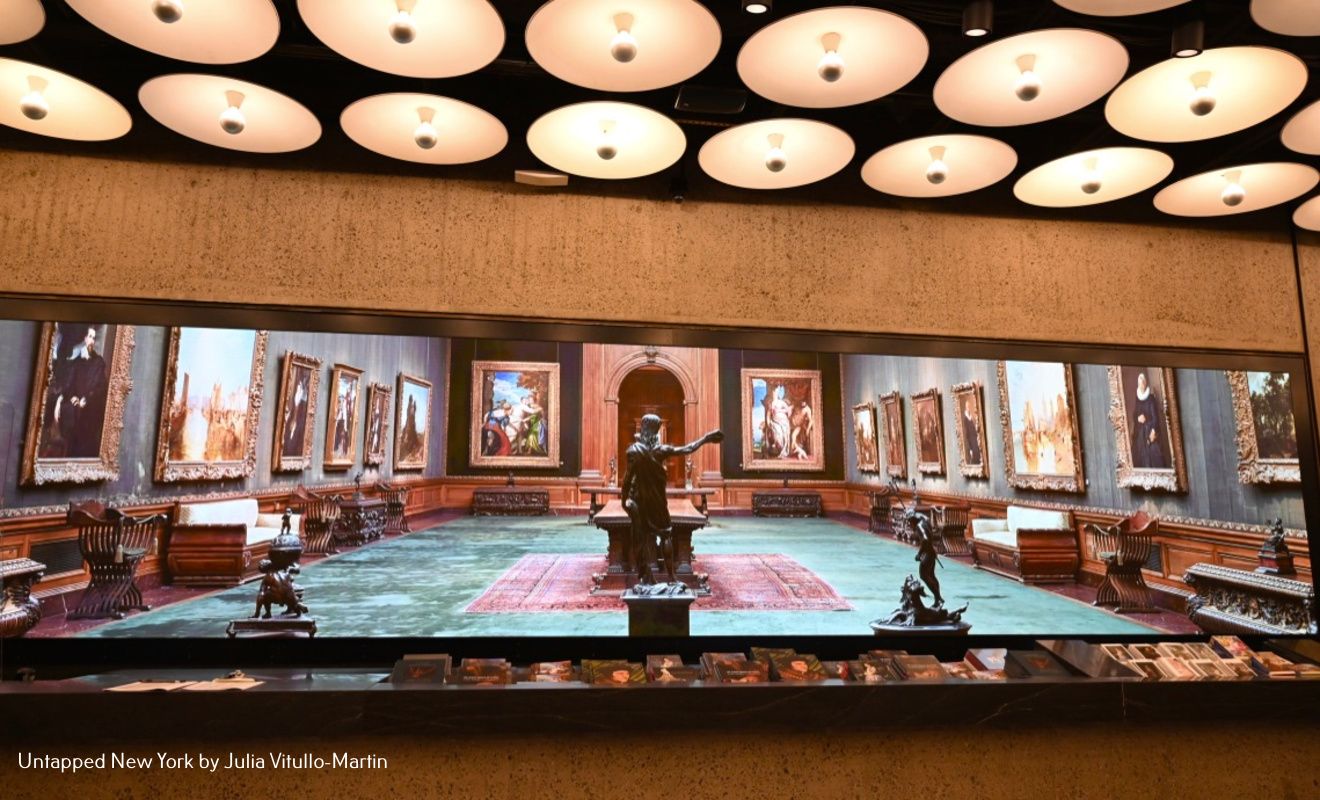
(296, 413)
(969, 429)
(1143, 409)
(378, 423)
(210, 404)
(1042, 442)
(412, 427)
(515, 414)
(891, 411)
(76, 415)
(780, 420)
(868, 449)
(341, 430)
(1266, 429)
(928, 430)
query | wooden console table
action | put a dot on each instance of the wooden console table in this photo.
(510, 501)
(684, 520)
(595, 492)
(1236, 601)
(361, 520)
(787, 503)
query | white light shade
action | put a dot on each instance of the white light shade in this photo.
(1302, 133)
(206, 32)
(20, 20)
(388, 124)
(1261, 186)
(1117, 8)
(1288, 17)
(74, 109)
(809, 151)
(963, 163)
(879, 53)
(1093, 176)
(571, 39)
(1071, 67)
(1247, 85)
(449, 37)
(573, 138)
(192, 104)
(1307, 214)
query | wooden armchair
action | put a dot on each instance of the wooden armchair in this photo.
(319, 517)
(951, 527)
(112, 544)
(881, 500)
(396, 502)
(1124, 548)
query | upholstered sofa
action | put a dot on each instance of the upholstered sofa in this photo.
(1033, 545)
(220, 543)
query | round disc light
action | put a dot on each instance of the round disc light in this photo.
(20, 20)
(830, 57)
(1236, 190)
(1093, 176)
(938, 166)
(1302, 133)
(43, 101)
(1218, 92)
(414, 38)
(1288, 17)
(1031, 77)
(200, 31)
(1117, 8)
(624, 46)
(424, 128)
(605, 139)
(776, 153)
(229, 113)
(1307, 214)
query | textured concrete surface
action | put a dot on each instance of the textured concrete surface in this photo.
(1308, 259)
(147, 230)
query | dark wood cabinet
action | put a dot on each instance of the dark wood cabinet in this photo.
(787, 503)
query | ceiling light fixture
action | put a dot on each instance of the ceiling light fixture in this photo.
(753, 155)
(830, 66)
(756, 6)
(167, 11)
(1188, 39)
(33, 104)
(21, 20)
(606, 147)
(269, 122)
(775, 158)
(978, 18)
(607, 139)
(939, 166)
(423, 128)
(198, 31)
(46, 102)
(623, 46)
(441, 38)
(402, 27)
(1234, 193)
(1224, 191)
(1093, 178)
(425, 135)
(937, 171)
(1203, 97)
(1027, 87)
(232, 120)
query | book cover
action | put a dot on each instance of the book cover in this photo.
(1205, 670)
(1174, 650)
(1118, 652)
(1147, 652)
(680, 674)
(620, 673)
(420, 669)
(1308, 672)
(1150, 671)
(1241, 669)
(741, 670)
(990, 658)
(919, 668)
(1033, 664)
(708, 661)
(959, 670)
(1175, 669)
(482, 674)
(867, 670)
(766, 654)
(594, 668)
(988, 675)
(885, 653)
(1230, 647)
(836, 669)
(656, 663)
(550, 672)
(1271, 665)
(1202, 651)
(796, 667)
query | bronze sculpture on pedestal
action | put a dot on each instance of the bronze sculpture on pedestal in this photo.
(279, 588)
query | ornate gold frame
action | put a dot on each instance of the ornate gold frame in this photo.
(278, 461)
(1173, 479)
(1251, 467)
(328, 457)
(972, 388)
(172, 472)
(928, 467)
(119, 382)
(398, 423)
(752, 464)
(1042, 483)
(874, 464)
(377, 391)
(478, 416)
(894, 401)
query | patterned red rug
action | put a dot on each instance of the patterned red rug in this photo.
(738, 582)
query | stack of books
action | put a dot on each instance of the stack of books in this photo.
(1178, 661)
(1033, 664)
(670, 669)
(483, 672)
(551, 672)
(733, 668)
(420, 670)
(612, 672)
(923, 669)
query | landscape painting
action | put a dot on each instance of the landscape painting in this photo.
(1266, 427)
(515, 414)
(1038, 409)
(412, 429)
(781, 428)
(296, 413)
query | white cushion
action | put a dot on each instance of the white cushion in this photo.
(983, 527)
(257, 534)
(1005, 537)
(226, 512)
(1020, 518)
(276, 521)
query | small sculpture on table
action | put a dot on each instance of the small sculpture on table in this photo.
(614, 471)
(1275, 557)
(509, 480)
(357, 486)
(278, 587)
(687, 473)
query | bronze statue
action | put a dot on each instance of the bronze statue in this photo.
(277, 584)
(927, 557)
(1275, 541)
(645, 502)
(913, 612)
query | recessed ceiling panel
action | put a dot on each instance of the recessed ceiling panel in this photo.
(424, 128)
(938, 166)
(201, 31)
(50, 103)
(20, 20)
(776, 153)
(605, 139)
(1288, 17)
(229, 113)
(1236, 190)
(1093, 176)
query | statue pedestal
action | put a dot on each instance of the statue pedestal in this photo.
(1276, 561)
(659, 614)
(276, 626)
(959, 628)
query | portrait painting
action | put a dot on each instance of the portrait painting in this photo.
(891, 411)
(969, 429)
(296, 413)
(864, 437)
(211, 400)
(1266, 428)
(515, 414)
(1042, 442)
(341, 429)
(378, 423)
(412, 426)
(76, 414)
(1143, 410)
(781, 426)
(928, 431)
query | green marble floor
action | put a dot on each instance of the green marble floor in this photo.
(421, 584)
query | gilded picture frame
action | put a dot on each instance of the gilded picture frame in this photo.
(1149, 449)
(514, 419)
(781, 425)
(928, 432)
(295, 414)
(82, 447)
(969, 429)
(895, 436)
(1046, 454)
(1265, 456)
(343, 419)
(227, 446)
(866, 437)
(377, 437)
(412, 423)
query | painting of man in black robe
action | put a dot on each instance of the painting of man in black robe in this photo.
(76, 391)
(1148, 427)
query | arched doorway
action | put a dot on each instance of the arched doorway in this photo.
(652, 390)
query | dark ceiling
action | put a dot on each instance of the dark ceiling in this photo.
(516, 90)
